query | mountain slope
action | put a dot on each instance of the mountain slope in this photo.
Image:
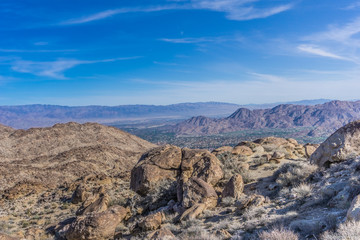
(324, 117)
(60, 154)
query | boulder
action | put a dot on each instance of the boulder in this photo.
(201, 164)
(340, 146)
(254, 200)
(310, 149)
(242, 150)
(80, 194)
(277, 155)
(193, 212)
(221, 150)
(7, 237)
(196, 191)
(151, 222)
(353, 214)
(96, 226)
(161, 234)
(154, 166)
(234, 187)
(97, 203)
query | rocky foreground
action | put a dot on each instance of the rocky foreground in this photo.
(89, 181)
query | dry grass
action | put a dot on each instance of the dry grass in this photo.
(345, 231)
(278, 234)
(293, 174)
(302, 190)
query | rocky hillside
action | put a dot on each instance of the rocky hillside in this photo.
(50, 157)
(325, 118)
(268, 189)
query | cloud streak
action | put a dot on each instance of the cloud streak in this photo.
(54, 69)
(238, 10)
(320, 52)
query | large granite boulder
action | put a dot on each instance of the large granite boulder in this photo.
(340, 146)
(96, 226)
(161, 163)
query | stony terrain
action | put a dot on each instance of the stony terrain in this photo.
(325, 118)
(269, 189)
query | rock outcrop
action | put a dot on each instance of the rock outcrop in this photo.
(341, 145)
(96, 226)
(234, 188)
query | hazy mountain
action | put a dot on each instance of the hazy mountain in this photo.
(324, 117)
(27, 116)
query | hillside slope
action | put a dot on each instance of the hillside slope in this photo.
(60, 154)
(323, 117)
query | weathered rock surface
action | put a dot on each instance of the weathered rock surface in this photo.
(196, 191)
(96, 226)
(353, 213)
(221, 150)
(154, 166)
(341, 145)
(80, 194)
(151, 222)
(161, 234)
(94, 204)
(170, 163)
(242, 150)
(65, 152)
(234, 187)
(6, 237)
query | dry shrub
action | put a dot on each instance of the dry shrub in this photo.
(346, 231)
(278, 234)
(292, 174)
(302, 190)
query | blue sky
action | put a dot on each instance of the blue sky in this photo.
(112, 52)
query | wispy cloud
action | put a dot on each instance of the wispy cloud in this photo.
(352, 6)
(268, 77)
(320, 52)
(36, 50)
(113, 12)
(202, 39)
(54, 69)
(239, 10)
(343, 34)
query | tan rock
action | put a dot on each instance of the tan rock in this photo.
(154, 166)
(193, 212)
(151, 222)
(278, 155)
(234, 187)
(310, 149)
(223, 234)
(161, 234)
(201, 164)
(292, 141)
(96, 226)
(272, 140)
(80, 194)
(341, 145)
(244, 166)
(221, 150)
(196, 191)
(353, 214)
(98, 203)
(6, 237)
(249, 201)
(242, 150)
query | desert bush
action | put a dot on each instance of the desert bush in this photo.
(254, 213)
(230, 166)
(345, 231)
(302, 190)
(196, 233)
(293, 174)
(278, 234)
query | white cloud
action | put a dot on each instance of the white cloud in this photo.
(235, 10)
(54, 69)
(203, 39)
(320, 52)
(343, 34)
(352, 6)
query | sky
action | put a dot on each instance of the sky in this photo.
(116, 52)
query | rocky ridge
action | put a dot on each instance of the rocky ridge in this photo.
(322, 118)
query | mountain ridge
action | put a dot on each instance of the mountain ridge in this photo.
(324, 117)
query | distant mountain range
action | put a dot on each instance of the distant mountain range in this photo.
(323, 118)
(27, 116)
